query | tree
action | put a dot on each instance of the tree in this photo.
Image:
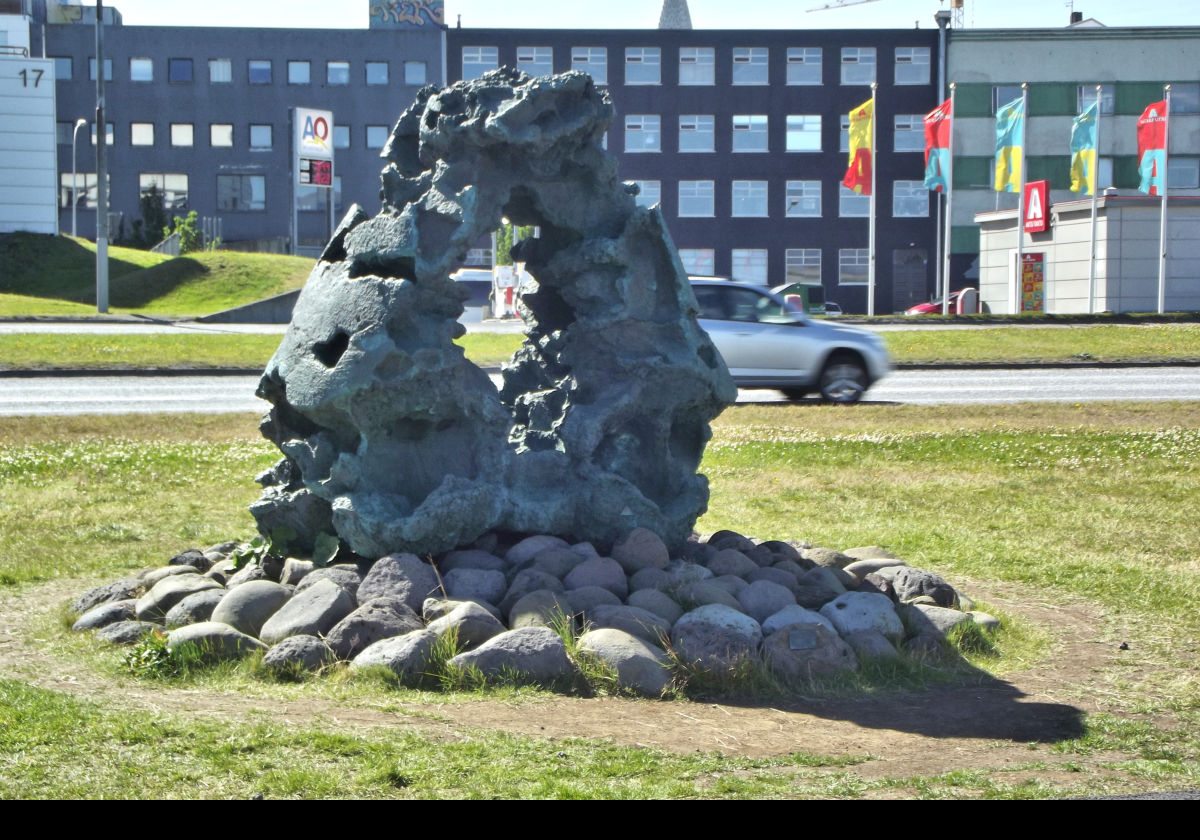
(154, 219)
(191, 238)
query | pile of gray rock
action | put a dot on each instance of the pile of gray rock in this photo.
(800, 610)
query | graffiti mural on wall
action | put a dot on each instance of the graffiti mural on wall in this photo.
(407, 13)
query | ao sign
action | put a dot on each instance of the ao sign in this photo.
(314, 133)
(1037, 206)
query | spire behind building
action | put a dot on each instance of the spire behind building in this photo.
(675, 15)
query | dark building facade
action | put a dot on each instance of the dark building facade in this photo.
(741, 137)
(204, 113)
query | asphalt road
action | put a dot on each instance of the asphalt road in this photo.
(49, 395)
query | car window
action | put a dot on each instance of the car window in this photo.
(712, 307)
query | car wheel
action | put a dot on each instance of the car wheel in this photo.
(843, 381)
(794, 393)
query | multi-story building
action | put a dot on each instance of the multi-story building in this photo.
(741, 137)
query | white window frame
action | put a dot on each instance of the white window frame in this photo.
(802, 265)
(802, 129)
(910, 200)
(246, 184)
(643, 133)
(858, 65)
(696, 128)
(1183, 172)
(480, 60)
(852, 205)
(853, 259)
(912, 65)
(844, 134)
(908, 133)
(748, 265)
(701, 262)
(649, 193)
(750, 133)
(593, 61)
(643, 65)
(695, 195)
(697, 66)
(536, 61)
(1085, 95)
(804, 65)
(751, 66)
(802, 200)
(749, 200)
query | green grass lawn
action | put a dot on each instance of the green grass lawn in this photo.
(1097, 502)
(1147, 342)
(46, 275)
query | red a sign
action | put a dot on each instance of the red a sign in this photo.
(1037, 206)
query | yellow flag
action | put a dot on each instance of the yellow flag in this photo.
(858, 174)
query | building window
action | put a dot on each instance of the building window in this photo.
(591, 60)
(310, 198)
(182, 134)
(851, 203)
(852, 266)
(749, 199)
(699, 261)
(337, 72)
(1185, 98)
(141, 70)
(643, 133)
(697, 66)
(802, 265)
(414, 73)
(536, 61)
(377, 72)
(241, 193)
(64, 68)
(108, 133)
(299, 73)
(1003, 94)
(910, 198)
(643, 66)
(220, 135)
(377, 136)
(141, 134)
(1183, 173)
(804, 132)
(749, 266)
(479, 60)
(750, 132)
(696, 133)
(912, 65)
(341, 136)
(179, 71)
(107, 69)
(259, 71)
(83, 190)
(220, 71)
(909, 133)
(1085, 95)
(261, 136)
(649, 193)
(858, 65)
(844, 139)
(481, 257)
(695, 199)
(804, 65)
(750, 65)
(172, 186)
(803, 200)
(63, 132)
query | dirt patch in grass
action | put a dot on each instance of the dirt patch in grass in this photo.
(987, 725)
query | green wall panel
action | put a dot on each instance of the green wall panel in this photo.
(964, 239)
(973, 173)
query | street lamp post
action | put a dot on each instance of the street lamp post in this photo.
(79, 123)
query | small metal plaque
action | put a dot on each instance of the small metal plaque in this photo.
(802, 639)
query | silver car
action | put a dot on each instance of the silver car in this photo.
(766, 343)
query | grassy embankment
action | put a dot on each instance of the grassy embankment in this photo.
(1096, 502)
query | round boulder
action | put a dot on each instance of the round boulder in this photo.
(640, 666)
(716, 636)
(247, 607)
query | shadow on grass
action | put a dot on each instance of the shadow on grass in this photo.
(61, 268)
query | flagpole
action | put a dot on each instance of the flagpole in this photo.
(1021, 198)
(1162, 231)
(949, 207)
(871, 227)
(1095, 198)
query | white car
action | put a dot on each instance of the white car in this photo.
(766, 343)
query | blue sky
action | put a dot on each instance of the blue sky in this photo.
(639, 14)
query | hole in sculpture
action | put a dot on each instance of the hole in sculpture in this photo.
(329, 352)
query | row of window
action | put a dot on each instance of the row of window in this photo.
(697, 133)
(749, 265)
(260, 136)
(801, 199)
(697, 65)
(259, 71)
(235, 193)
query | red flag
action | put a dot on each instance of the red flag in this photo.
(937, 147)
(1152, 152)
